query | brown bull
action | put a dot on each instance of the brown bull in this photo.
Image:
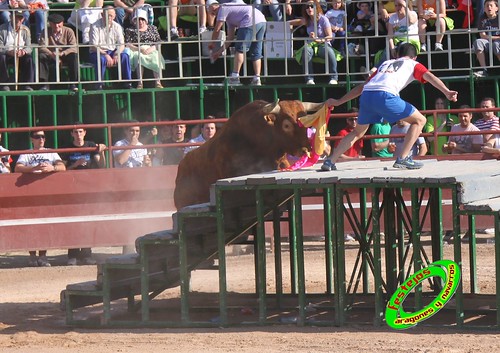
(255, 139)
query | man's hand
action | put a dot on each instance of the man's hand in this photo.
(452, 95)
(109, 60)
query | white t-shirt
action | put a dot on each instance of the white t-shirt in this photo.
(135, 158)
(394, 75)
(336, 17)
(402, 28)
(36, 158)
(465, 141)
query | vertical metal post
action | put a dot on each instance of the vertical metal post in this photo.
(457, 253)
(300, 257)
(390, 240)
(328, 225)
(278, 270)
(377, 257)
(261, 256)
(293, 246)
(339, 257)
(472, 254)
(417, 247)
(221, 245)
(363, 214)
(183, 269)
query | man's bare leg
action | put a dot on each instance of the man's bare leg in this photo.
(417, 122)
(346, 143)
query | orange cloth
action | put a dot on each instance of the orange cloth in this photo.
(319, 121)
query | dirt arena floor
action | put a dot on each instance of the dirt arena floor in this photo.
(31, 320)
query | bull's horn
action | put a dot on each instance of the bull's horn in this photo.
(272, 108)
(309, 106)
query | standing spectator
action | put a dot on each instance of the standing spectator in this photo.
(197, 8)
(489, 121)
(15, 47)
(208, 131)
(171, 155)
(61, 48)
(337, 17)
(38, 9)
(107, 43)
(463, 143)
(432, 13)
(5, 160)
(320, 33)
(380, 146)
(82, 160)
(144, 40)
(355, 151)
(130, 158)
(419, 148)
(245, 18)
(488, 28)
(444, 122)
(85, 14)
(40, 161)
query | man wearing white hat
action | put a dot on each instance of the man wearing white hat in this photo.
(250, 23)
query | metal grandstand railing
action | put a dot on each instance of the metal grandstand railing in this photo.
(194, 87)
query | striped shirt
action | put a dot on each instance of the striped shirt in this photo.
(490, 124)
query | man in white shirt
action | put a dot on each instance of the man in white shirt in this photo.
(463, 143)
(130, 158)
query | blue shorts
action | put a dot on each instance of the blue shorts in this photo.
(376, 106)
(244, 38)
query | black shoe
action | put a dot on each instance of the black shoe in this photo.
(5, 88)
(44, 88)
(98, 87)
(127, 86)
(73, 88)
(28, 88)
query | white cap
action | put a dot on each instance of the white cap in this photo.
(210, 2)
(140, 14)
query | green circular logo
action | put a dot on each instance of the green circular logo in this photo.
(399, 319)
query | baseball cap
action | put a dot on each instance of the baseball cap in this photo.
(211, 2)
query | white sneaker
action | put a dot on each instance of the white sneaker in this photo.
(423, 48)
(256, 81)
(310, 82)
(333, 82)
(234, 81)
(348, 238)
(438, 47)
(174, 33)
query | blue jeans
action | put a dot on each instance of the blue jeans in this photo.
(125, 64)
(275, 9)
(39, 22)
(244, 40)
(322, 49)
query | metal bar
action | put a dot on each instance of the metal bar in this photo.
(377, 273)
(390, 240)
(261, 256)
(328, 225)
(472, 254)
(459, 295)
(417, 247)
(278, 263)
(293, 246)
(221, 245)
(300, 258)
(183, 270)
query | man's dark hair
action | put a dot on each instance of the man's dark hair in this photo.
(407, 49)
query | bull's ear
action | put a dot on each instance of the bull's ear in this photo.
(271, 108)
(270, 119)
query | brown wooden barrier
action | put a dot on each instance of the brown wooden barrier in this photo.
(105, 207)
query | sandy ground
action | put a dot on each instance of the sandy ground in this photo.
(30, 318)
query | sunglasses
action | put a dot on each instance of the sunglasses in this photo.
(310, 6)
(38, 137)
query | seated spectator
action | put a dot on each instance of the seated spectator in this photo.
(251, 26)
(171, 155)
(107, 42)
(125, 10)
(130, 158)
(380, 146)
(38, 9)
(386, 9)
(4, 14)
(197, 8)
(364, 20)
(489, 121)
(444, 123)
(463, 143)
(273, 6)
(40, 161)
(355, 152)
(419, 148)
(15, 44)
(432, 14)
(320, 41)
(60, 48)
(337, 17)
(143, 40)
(488, 28)
(5, 160)
(402, 27)
(78, 161)
(208, 131)
(84, 15)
